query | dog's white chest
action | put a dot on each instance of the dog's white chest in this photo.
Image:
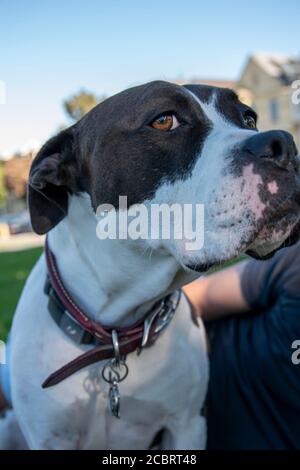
(165, 387)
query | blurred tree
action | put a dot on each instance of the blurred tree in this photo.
(16, 171)
(80, 103)
(3, 192)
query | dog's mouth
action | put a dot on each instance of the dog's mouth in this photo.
(260, 249)
(277, 239)
(282, 229)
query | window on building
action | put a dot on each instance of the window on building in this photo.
(274, 110)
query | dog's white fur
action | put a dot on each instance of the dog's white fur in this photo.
(166, 384)
(115, 281)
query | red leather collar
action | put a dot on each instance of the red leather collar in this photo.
(97, 330)
(130, 338)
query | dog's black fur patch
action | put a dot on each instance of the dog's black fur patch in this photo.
(226, 101)
(114, 151)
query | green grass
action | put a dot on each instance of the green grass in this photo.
(14, 269)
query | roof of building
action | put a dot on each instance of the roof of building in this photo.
(286, 69)
(205, 81)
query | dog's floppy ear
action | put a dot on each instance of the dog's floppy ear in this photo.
(52, 176)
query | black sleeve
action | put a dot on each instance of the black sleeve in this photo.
(264, 283)
(252, 368)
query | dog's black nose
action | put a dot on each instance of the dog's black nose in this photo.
(277, 146)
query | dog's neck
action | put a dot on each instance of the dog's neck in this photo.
(114, 281)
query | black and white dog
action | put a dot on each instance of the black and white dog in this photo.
(155, 143)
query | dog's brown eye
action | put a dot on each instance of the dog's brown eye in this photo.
(250, 121)
(165, 122)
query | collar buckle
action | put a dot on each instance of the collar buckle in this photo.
(162, 315)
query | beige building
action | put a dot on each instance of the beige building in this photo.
(266, 85)
(266, 82)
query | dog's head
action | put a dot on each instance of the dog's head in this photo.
(165, 143)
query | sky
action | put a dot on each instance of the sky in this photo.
(51, 49)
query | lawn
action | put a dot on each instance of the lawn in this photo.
(14, 269)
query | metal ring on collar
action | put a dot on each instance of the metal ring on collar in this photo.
(115, 341)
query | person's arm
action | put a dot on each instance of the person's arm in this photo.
(251, 285)
(218, 294)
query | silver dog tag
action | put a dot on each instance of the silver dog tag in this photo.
(114, 399)
(114, 372)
